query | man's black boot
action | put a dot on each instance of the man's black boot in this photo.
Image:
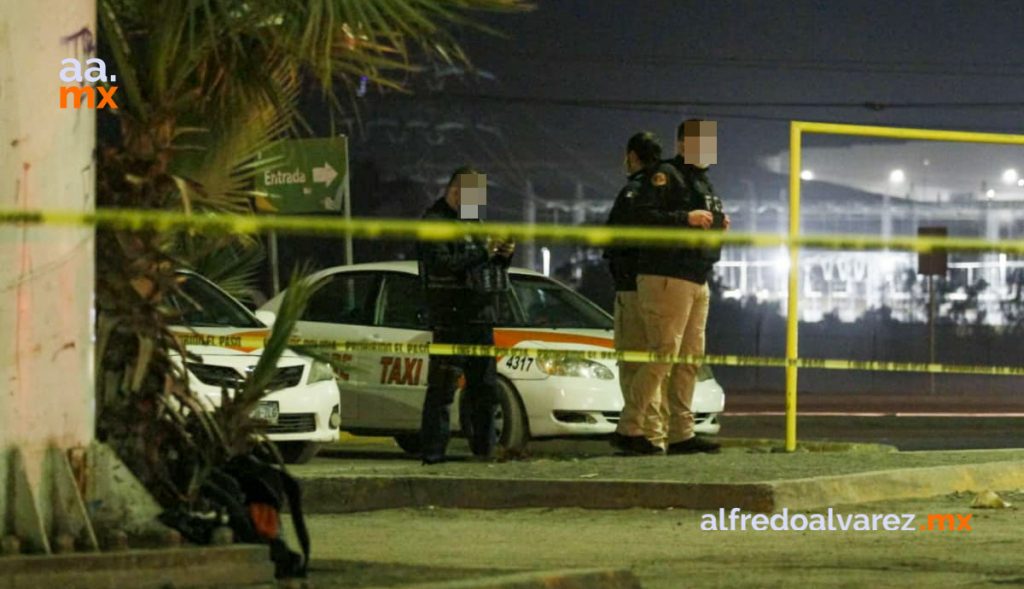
(638, 446)
(694, 445)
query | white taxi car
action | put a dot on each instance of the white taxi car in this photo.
(382, 393)
(303, 409)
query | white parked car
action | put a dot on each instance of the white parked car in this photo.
(382, 393)
(303, 409)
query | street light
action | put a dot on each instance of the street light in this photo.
(990, 193)
(1010, 176)
(888, 264)
(781, 260)
(897, 176)
(807, 175)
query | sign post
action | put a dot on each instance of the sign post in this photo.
(932, 264)
(309, 176)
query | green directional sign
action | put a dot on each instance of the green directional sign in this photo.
(311, 176)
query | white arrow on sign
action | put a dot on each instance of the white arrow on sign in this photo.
(325, 174)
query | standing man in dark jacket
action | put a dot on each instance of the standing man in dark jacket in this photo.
(672, 285)
(643, 153)
(462, 280)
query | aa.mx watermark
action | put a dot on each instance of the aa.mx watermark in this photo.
(94, 72)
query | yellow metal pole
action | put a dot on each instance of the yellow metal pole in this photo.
(793, 298)
(910, 134)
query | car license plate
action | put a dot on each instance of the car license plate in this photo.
(266, 411)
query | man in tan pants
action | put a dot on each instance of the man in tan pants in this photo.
(672, 287)
(643, 152)
(674, 313)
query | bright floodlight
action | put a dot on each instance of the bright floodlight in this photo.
(807, 175)
(888, 263)
(990, 193)
(1010, 176)
(897, 176)
(1020, 182)
(781, 260)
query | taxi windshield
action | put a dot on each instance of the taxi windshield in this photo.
(545, 303)
(201, 304)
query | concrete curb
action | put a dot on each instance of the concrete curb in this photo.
(907, 483)
(230, 566)
(567, 579)
(365, 493)
(345, 494)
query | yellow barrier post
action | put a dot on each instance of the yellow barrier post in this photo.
(796, 129)
(793, 295)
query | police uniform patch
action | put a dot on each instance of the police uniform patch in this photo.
(659, 179)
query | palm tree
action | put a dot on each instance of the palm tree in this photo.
(206, 85)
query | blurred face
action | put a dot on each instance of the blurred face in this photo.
(699, 145)
(633, 163)
(468, 194)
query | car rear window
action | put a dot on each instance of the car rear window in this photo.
(201, 304)
(346, 298)
(546, 303)
(403, 302)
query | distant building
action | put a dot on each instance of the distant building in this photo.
(890, 189)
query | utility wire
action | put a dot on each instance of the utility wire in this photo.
(922, 68)
(652, 106)
(633, 103)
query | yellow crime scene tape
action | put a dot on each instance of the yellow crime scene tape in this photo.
(591, 235)
(598, 236)
(637, 356)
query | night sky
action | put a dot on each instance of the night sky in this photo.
(554, 100)
(926, 53)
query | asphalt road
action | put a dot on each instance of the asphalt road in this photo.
(905, 432)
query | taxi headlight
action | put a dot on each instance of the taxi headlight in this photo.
(320, 371)
(576, 367)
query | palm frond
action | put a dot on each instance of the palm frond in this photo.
(233, 266)
(209, 85)
(234, 413)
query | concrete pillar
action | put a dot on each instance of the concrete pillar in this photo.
(992, 227)
(886, 216)
(46, 274)
(579, 210)
(530, 217)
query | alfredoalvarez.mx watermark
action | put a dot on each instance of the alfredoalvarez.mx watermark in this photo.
(737, 521)
(96, 71)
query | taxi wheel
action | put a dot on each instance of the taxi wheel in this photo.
(409, 443)
(510, 419)
(297, 452)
